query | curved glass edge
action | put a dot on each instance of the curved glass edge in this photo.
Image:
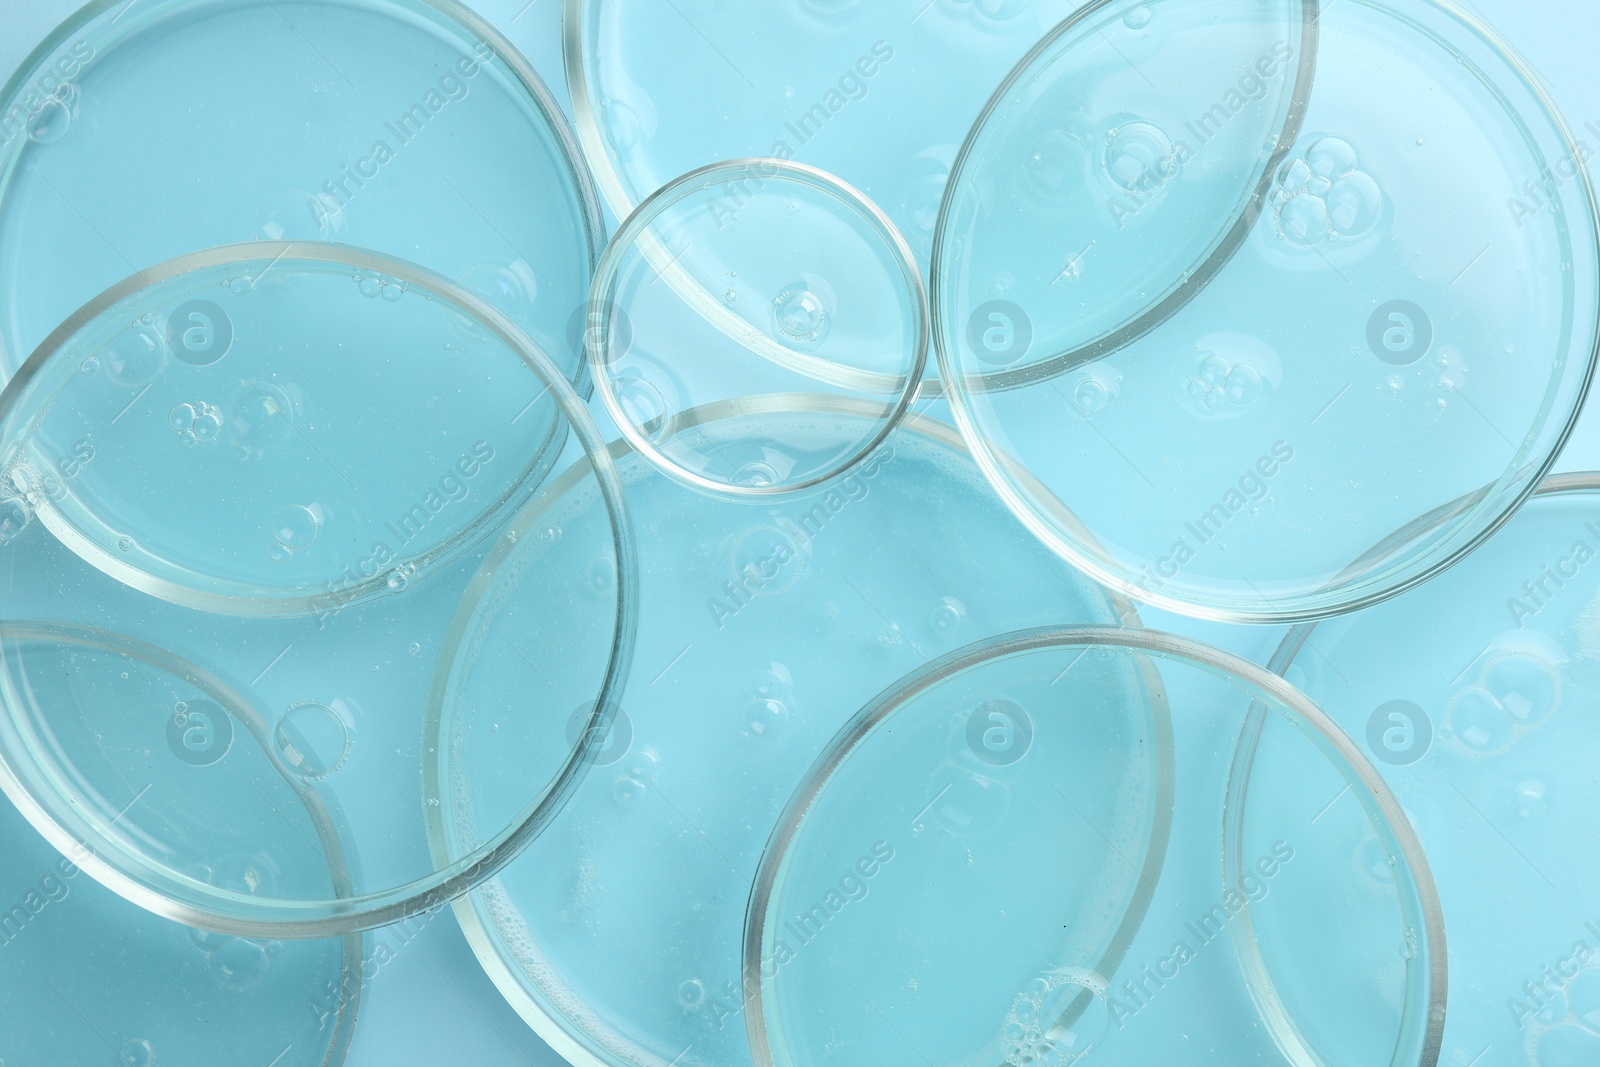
(323, 816)
(1176, 298)
(1284, 656)
(239, 599)
(1378, 801)
(578, 170)
(542, 1018)
(632, 233)
(1345, 592)
(248, 916)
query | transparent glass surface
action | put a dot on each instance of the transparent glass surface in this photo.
(770, 285)
(1473, 696)
(206, 431)
(763, 625)
(89, 978)
(879, 92)
(356, 418)
(140, 132)
(1100, 894)
(1406, 313)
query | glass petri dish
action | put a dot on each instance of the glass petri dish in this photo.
(87, 972)
(817, 292)
(1361, 358)
(136, 133)
(204, 431)
(124, 726)
(763, 622)
(1472, 695)
(880, 94)
(993, 936)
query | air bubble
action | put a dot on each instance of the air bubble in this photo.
(764, 718)
(392, 291)
(414, 649)
(691, 994)
(181, 417)
(136, 1052)
(262, 416)
(1304, 219)
(1354, 204)
(239, 962)
(800, 315)
(292, 215)
(49, 124)
(240, 286)
(1523, 686)
(125, 544)
(89, 366)
(370, 287)
(948, 614)
(1331, 158)
(314, 739)
(296, 527)
(1243, 384)
(1137, 19)
(134, 359)
(628, 791)
(1139, 156)
(1530, 800)
(1213, 369)
(1091, 396)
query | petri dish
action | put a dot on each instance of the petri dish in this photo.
(880, 94)
(182, 744)
(89, 978)
(203, 432)
(992, 936)
(763, 624)
(1359, 358)
(819, 297)
(136, 133)
(1471, 694)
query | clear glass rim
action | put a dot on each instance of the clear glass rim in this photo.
(1024, 503)
(545, 1018)
(572, 158)
(633, 233)
(1427, 1002)
(309, 919)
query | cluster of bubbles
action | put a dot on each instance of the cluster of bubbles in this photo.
(13, 519)
(1322, 195)
(373, 285)
(1220, 385)
(236, 962)
(1036, 1036)
(196, 423)
(1513, 691)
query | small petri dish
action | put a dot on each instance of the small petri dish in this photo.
(184, 745)
(763, 623)
(880, 94)
(1357, 358)
(204, 432)
(136, 133)
(1473, 696)
(90, 978)
(768, 284)
(1020, 921)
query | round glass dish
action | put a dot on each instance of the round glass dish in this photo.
(1387, 335)
(87, 971)
(123, 715)
(1473, 694)
(997, 934)
(136, 133)
(816, 289)
(205, 432)
(763, 624)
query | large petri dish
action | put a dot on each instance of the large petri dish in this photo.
(124, 726)
(1389, 333)
(763, 624)
(204, 431)
(136, 133)
(89, 978)
(990, 937)
(818, 298)
(1473, 696)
